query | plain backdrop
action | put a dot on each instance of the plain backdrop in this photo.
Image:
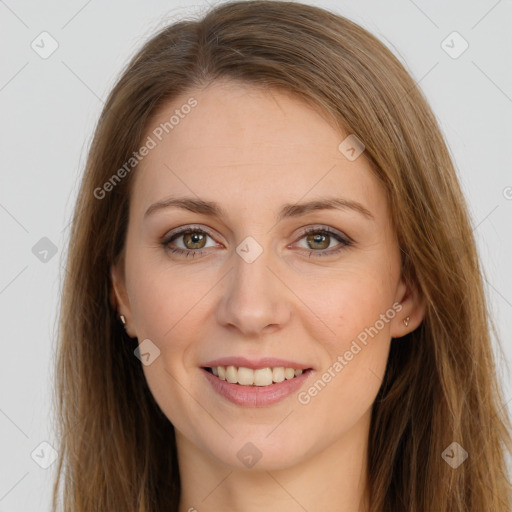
(49, 107)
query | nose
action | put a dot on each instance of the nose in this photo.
(255, 300)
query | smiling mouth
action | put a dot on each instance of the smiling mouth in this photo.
(259, 377)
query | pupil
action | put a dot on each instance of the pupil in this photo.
(317, 239)
(194, 238)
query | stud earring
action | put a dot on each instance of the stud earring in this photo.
(123, 319)
(406, 321)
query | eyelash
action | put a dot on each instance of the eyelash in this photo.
(325, 230)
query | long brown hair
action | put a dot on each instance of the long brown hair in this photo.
(117, 449)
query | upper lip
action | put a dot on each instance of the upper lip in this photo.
(264, 362)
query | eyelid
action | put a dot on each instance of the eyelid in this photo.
(181, 230)
(186, 227)
(328, 229)
(304, 231)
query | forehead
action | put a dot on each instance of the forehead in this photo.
(242, 145)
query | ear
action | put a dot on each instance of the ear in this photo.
(119, 297)
(413, 306)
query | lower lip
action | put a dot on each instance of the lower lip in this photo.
(256, 396)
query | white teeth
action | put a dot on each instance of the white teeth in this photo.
(262, 377)
(278, 374)
(231, 374)
(245, 376)
(259, 377)
(289, 373)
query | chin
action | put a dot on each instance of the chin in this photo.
(259, 452)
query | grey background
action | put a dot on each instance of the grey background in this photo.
(49, 108)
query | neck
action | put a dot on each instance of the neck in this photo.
(333, 478)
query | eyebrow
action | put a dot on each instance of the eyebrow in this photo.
(213, 209)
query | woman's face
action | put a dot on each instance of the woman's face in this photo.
(249, 283)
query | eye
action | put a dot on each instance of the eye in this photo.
(319, 239)
(193, 241)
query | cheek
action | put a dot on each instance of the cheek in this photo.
(349, 303)
(354, 360)
(171, 308)
(358, 309)
(166, 310)
(163, 299)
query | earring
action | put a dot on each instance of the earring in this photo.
(123, 319)
(406, 321)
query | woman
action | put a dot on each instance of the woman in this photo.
(273, 298)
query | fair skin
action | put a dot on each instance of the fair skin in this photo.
(252, 151)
